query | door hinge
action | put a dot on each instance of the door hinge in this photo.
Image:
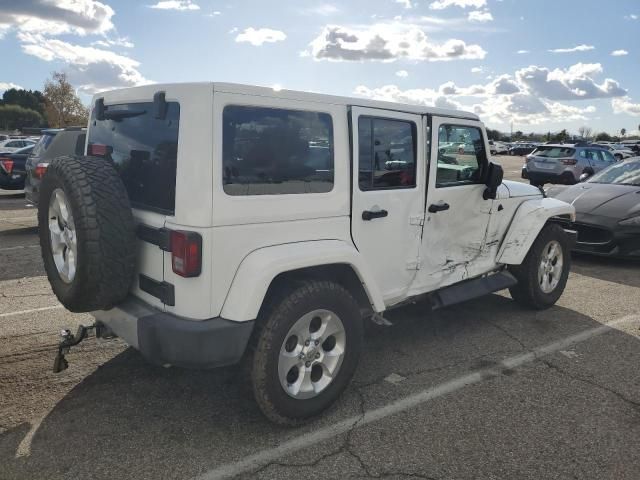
(417, 220)
(414, 264)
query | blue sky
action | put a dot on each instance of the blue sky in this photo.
(543, 64)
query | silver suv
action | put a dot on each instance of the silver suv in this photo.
(564, 163)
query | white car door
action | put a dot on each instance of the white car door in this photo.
(388, 195)
(457, 218)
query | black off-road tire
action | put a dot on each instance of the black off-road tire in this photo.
(528, 292)
(277, 316)
(105, 232)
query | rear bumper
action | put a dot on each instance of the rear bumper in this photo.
(165, 339)
(565, 178)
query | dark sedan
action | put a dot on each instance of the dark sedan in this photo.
(12, 168)
(607, 210)
(521, 149)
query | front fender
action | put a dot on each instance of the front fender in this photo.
(260, 267)
(529, 219)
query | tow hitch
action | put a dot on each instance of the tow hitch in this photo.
(69, 340)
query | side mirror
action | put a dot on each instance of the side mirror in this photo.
(493, 181)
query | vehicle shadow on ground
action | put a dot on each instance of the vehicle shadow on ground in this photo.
(617, 270)
(132, 420)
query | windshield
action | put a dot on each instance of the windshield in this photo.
(624, 173)
(553, 152)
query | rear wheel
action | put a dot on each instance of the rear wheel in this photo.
(543, 274)
(307, 345)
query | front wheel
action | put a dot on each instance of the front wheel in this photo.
(543, 274)
(307, 345)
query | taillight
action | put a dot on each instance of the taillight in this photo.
(569, 161)
(186, 253)
(40, 170)
(6, 164)
(97, 149)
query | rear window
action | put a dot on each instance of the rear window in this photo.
(554, 152)
(43, 143)
(144, 150)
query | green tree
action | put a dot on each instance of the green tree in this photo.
(623, 132)
(603, 137)
(15, 117)
(31, 99)
(493, 134)
(62, 105)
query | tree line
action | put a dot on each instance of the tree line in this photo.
(57, 106)
(563, 135)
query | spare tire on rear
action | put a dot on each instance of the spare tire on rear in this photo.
(87, 233)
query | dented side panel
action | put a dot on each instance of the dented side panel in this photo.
(529, 219)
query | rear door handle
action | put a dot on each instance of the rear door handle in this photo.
(438, 207)
(371, 214)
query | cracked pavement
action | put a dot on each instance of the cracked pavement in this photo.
(574, 413)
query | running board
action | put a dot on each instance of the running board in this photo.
(475, 288)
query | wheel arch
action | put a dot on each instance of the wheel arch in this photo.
(267, 269)
(529, 219)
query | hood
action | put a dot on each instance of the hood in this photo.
(605, 199)
(519, 189)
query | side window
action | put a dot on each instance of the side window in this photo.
(386, 153)
(608, 157)
(583, 154)
(272, 151)
(461, 155)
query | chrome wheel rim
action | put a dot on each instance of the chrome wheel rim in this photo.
(550, 268)
(62, 235)
(311, 354)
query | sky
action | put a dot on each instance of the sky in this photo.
(541, 65)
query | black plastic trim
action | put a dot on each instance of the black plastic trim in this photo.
(477, 287)
(161, 290)
(157, 236)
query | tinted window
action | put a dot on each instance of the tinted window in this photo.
(387, 153)
(554, 152)
(143, 149)
(461, 155)
(43, 143)
(272, 151)
(623, 173)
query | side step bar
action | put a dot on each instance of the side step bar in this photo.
(477, 287)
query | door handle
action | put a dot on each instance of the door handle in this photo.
(438, 207)
(371, 214)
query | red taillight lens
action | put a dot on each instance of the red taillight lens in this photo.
(97, 149)
(6, 164)
(186, 253)
(569, 161)
(40, 170)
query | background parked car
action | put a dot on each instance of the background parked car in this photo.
(12, 168)
(53, 143)
(620, 151)
(11, 145)
(522, 149)
(607, 210)
(498, 148)
(632, 145)
(565, 163)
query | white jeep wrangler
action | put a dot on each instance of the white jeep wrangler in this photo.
(210, 223)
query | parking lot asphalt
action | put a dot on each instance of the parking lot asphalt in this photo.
(484, 389)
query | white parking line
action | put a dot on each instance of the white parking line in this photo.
(18, 247)
(30, 217)
(21, 312)
(252, 462)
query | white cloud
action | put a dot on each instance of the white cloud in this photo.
(325, 10)
(624, 105)
(402, 74)
(528, 96)
(56, 17)
(578, 48)
(260, 36)
(520, 52)
(632, 16)
(387, 43)
(480, 16)
(91, 69)
(619, 53)
(176, 5)
(442, 4)
(116, 42)
(573, 83)
(476, 70)
(215, 13)
(405, 3)
(8, 85)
